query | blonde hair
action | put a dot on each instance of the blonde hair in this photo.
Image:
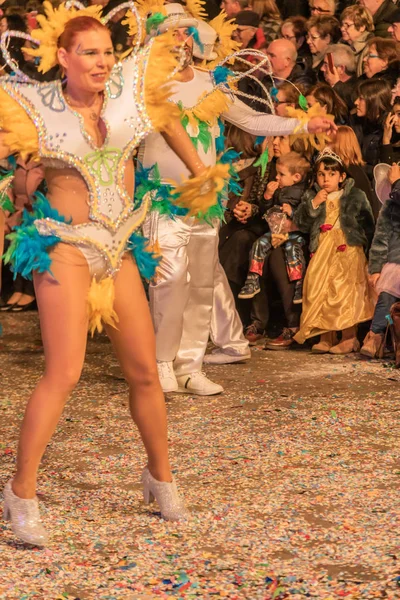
(295, 163)
(266, 8)
(360, 16)
(347, 147)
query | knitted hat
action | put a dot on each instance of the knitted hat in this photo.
(247, 18)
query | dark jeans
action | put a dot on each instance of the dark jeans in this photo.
(275, 273)
(379, 322)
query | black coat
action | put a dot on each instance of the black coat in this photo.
(386, 243)
(369, 135)
(356, 219)
(291, 194)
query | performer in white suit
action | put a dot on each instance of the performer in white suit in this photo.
(181, 300)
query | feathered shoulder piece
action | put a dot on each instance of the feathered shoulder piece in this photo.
(224, 45)
(152, 12)
(18, 132)
(196, 8)
(159, 64)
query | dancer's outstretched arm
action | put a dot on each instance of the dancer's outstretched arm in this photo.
(258, 123)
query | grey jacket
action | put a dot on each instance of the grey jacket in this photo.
(356, 219)
(386, 243)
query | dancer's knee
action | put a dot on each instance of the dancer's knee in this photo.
(143, 376)
(65, 380)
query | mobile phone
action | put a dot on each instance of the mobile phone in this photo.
(330, 62)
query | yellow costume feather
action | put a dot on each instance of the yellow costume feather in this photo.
(196, 8)
(225, 45)
(52, 25)
(158, 82)
(208, 108)
(145, 9)
(100, 299)
(316, 140)
(200, 193)
(18, 132)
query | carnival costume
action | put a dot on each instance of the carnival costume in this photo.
(38, 121)
(191, 282)
(336, 291)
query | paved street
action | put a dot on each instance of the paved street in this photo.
(292, 476)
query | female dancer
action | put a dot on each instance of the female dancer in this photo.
(86, 133)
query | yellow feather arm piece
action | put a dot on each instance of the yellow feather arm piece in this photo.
(208, 108)
(52, 25)
(145, 9)
(200, 193)
(158, 82)
(100, 299)
(225, 45)
(196, 8)
(18, 132)
(316, 140)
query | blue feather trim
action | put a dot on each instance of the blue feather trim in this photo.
(193, 31)
(29, 251)
(221, 74)
(146, 260)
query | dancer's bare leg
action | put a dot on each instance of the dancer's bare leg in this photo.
(134, 344)
(63, 320)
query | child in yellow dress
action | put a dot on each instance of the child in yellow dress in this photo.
(341, 225)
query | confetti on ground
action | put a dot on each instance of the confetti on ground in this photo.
(292, 476)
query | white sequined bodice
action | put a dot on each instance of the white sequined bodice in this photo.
(63, 141)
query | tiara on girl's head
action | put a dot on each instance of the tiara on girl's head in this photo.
(329, 153)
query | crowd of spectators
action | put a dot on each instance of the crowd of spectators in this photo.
(337, 53)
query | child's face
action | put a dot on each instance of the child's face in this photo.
(329, 180)
(284, 177)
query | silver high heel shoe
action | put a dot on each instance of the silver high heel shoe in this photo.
(25, 517)
(167, 496)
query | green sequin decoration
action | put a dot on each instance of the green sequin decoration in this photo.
(204, 137)
(103, 164)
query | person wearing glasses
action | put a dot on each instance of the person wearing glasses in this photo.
(357, 27)
(382, 60)
(381, 11)
(323, 7)
(294, 29)
(322, 31)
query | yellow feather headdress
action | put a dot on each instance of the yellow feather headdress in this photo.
(145, 9)
(52, 25)
(196, 8)
(225, 45)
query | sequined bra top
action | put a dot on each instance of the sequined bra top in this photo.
(63, 141)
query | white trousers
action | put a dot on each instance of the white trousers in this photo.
(191, 297)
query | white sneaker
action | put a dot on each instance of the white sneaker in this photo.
(167, 376)
(197, 383)
(221, 357)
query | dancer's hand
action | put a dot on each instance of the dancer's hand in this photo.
(320, 198)
(373, 279)
(321, 125)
